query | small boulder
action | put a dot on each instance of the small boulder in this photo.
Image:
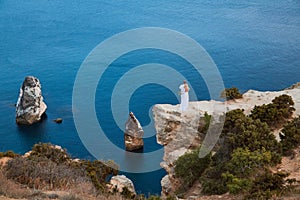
(58, 120)
(30, 105)
(119, 182)
(133, 135)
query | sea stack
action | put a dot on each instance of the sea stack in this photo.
(133, 135)
(30, 105)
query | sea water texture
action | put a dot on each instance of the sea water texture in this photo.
(255, 45)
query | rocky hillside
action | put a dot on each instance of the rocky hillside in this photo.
(179, 132)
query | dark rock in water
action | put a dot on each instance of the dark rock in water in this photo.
(30, 105)
(133, 135)
(58, 120)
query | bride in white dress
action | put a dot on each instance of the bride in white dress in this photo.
(184, 94)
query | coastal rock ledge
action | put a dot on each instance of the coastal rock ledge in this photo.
(30, 105)
(181, 132)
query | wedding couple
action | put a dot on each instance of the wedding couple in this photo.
(184, 94)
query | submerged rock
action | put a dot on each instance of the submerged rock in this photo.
(133, 135)
(30, 105)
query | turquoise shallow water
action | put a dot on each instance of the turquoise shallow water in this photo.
(255, 44)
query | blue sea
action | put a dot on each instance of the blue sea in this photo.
(255, 45)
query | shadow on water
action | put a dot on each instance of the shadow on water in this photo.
(34, 133)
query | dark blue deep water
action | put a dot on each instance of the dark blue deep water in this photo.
(255, 44)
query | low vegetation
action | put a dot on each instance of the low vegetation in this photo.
(204, 123)
(290, 137)
(9, 154)
(231, 93)
(276, 113)
(50, 168)
(190, 167)
(245, 154)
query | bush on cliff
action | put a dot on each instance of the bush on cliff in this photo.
(189, 167)
(231, 93)
(99, 171)
(240, 131)
(276, 113)
(247, 148)
(204, 123)
(51, 152)
(9, 154)
(243, 161)
(267, 185)
(232, 119)
(290, 137)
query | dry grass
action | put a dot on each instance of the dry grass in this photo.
(9, 188)
(79, 190)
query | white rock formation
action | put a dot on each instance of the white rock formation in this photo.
(30, 105)
(119, 182)
(178, 132)
(133, 136)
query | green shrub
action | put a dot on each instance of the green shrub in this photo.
(204, 123)
(290, 138)
(236, 185)
(126, 193)
(284, 101)
(232, 118)
(251, 134)
(243, 161)
(9, 153)
(189, 167)
(99, 171)
(51, 152)
(276, 113)
(267, 184)
(259, 141)
(212, 184)
(231, 93)
(246, 146)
